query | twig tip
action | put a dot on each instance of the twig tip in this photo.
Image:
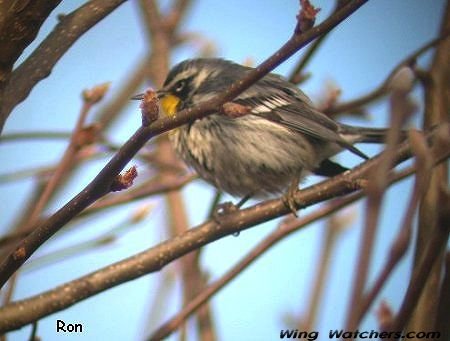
(96, 93)
(306, 17)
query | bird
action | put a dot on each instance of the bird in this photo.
(269, 148)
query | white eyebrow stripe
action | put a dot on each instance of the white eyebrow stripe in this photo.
(200, 77)
(182, 75)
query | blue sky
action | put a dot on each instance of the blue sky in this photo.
(357, 56)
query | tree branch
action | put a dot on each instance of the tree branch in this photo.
(41, 62)
(20, 22)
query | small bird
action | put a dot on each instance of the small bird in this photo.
(266, 151)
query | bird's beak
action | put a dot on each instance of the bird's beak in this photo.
(139, 97)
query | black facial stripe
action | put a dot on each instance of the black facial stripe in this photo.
(182, 87)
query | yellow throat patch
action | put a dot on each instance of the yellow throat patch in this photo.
(169, 104)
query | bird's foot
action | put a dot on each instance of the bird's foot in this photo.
(225, 208)
(228, 207)
(289, 197)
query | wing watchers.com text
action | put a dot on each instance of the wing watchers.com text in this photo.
(356, 334)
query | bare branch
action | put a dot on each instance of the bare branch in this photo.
(20, 22)
(34, 135)
(41, 62)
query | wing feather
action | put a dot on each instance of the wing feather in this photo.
(298, 116)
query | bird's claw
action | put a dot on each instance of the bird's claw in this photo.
(289, 198)
(223, 209)
(289, 202)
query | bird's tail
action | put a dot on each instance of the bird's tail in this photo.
(355, 134)
(368, 135)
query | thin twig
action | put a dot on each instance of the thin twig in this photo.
(34, 135)
(33, 335)
(297, 76)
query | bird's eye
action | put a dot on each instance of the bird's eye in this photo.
(179, 86)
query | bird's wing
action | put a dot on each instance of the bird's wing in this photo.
(294, 113)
